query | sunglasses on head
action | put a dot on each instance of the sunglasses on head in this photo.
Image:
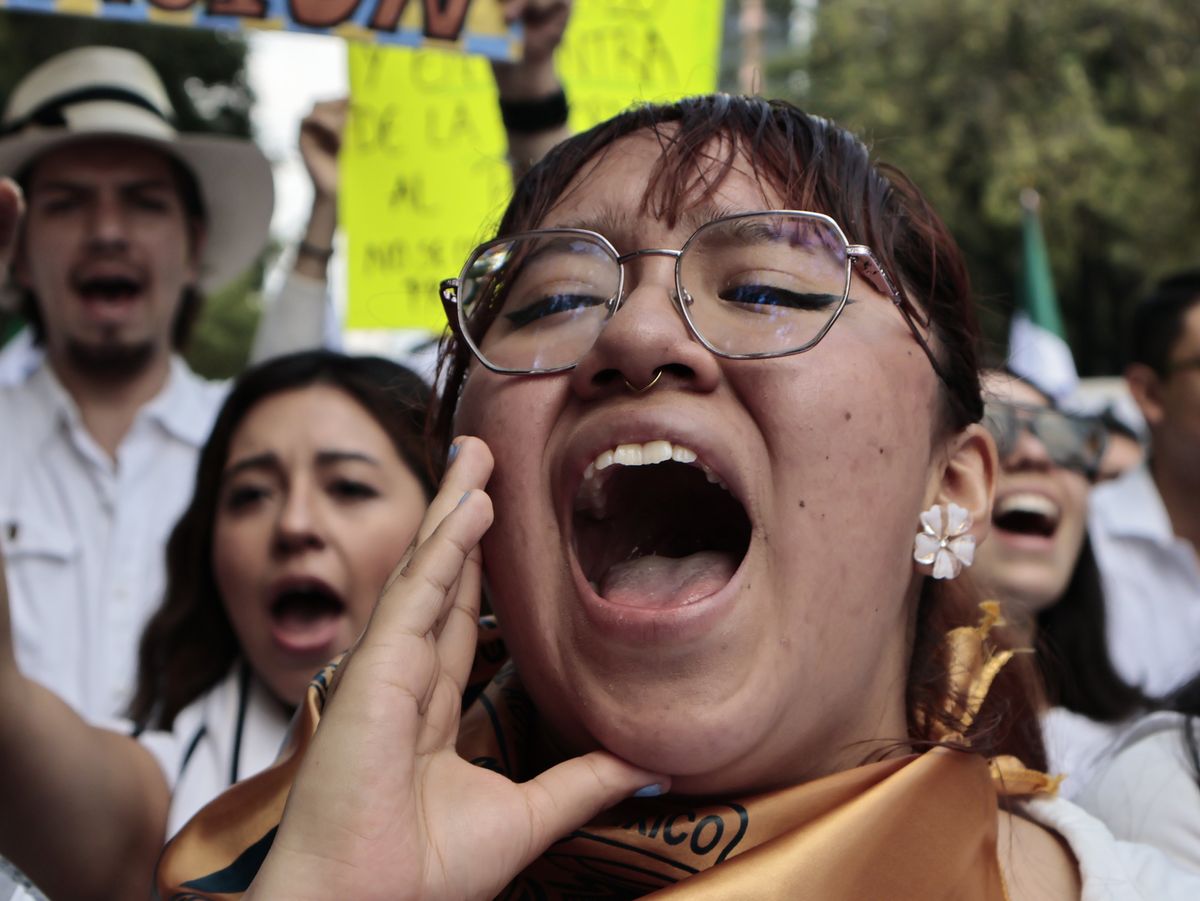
(1072, 441)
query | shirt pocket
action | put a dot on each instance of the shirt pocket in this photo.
(42, 563)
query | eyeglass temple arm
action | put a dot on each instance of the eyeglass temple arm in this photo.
(448, 292)
(868, 267)
(863, 260)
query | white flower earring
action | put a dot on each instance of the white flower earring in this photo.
(943, 541)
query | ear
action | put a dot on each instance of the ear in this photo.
(1146, 388)
(968, 477)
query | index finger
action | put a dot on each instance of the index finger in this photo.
(470, 467)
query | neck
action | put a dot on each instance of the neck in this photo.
(108, 402)
(1179, 488)
(1021, 626)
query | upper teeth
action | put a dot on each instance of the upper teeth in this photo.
(1027, 502)
(646, 454)
(658, 451)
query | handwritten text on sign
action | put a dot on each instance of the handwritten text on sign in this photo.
(473, 26)
(424, 171)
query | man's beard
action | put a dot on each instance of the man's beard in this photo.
(109, 362)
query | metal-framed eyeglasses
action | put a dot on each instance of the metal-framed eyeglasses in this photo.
(749, 286)
(1071, 440)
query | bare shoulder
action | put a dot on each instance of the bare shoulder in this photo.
(1037, 863)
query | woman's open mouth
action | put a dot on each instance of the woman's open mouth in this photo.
(654, 528)
(306, 616)
(1026, 514)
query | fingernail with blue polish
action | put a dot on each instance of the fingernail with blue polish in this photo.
(649, 791)
(453, 453)
(462, 500)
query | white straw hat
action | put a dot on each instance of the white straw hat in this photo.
(101, 92)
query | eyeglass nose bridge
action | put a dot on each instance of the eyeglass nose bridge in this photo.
(678, 295)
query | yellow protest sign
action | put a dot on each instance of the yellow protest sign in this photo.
(424, 174)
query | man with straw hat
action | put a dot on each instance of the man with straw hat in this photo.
(127, 223)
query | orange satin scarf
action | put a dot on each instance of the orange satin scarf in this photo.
(918, 827)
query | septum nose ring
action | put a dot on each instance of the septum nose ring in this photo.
(642, 390)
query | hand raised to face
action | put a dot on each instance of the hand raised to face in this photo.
(383, 806)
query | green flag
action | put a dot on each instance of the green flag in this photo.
(1037, 345)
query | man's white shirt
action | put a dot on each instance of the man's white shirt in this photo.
(1151, 583)
(84, 535)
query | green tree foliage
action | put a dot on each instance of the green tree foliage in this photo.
(205, 75)
(1092, 103)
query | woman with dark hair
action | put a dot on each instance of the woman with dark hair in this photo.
(1038, 563)
(711, 406)
(307, 492)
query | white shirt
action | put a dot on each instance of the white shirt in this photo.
(84, 539)
(1113, 870)
(1148, 791)
(84, 536)
(231, 732)
(1076, 745)
(1151, 584)
(19, 358)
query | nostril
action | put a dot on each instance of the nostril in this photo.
(607, 377)
(679, 372)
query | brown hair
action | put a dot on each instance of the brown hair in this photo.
(189, 643)
(811, 164)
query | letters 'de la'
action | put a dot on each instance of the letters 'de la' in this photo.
(442, 19)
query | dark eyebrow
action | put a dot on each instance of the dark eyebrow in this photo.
(329, 457)
(270, 461)
(138, 184)
(258, 461)
(607, 221)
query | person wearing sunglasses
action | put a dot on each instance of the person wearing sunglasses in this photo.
(1146, 524)
(712, 409)
(1038, 563)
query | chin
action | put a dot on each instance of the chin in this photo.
(292, 689)
(1029, 596)
(701, 754)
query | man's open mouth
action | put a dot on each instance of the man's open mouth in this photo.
(655, 527)
(108, 289)
(1027, 513)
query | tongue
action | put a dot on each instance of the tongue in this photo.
(305, 625)
(654, 582)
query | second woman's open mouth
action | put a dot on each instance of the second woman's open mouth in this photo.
(306, 616)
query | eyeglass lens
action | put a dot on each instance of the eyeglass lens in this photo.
(755, 284)
(1074, 442)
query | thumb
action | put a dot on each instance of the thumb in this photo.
(566, 796)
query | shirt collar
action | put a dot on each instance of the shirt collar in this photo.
(181, 407)
(49, 404)
(1131, 506)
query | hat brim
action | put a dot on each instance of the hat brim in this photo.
(235, 182)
